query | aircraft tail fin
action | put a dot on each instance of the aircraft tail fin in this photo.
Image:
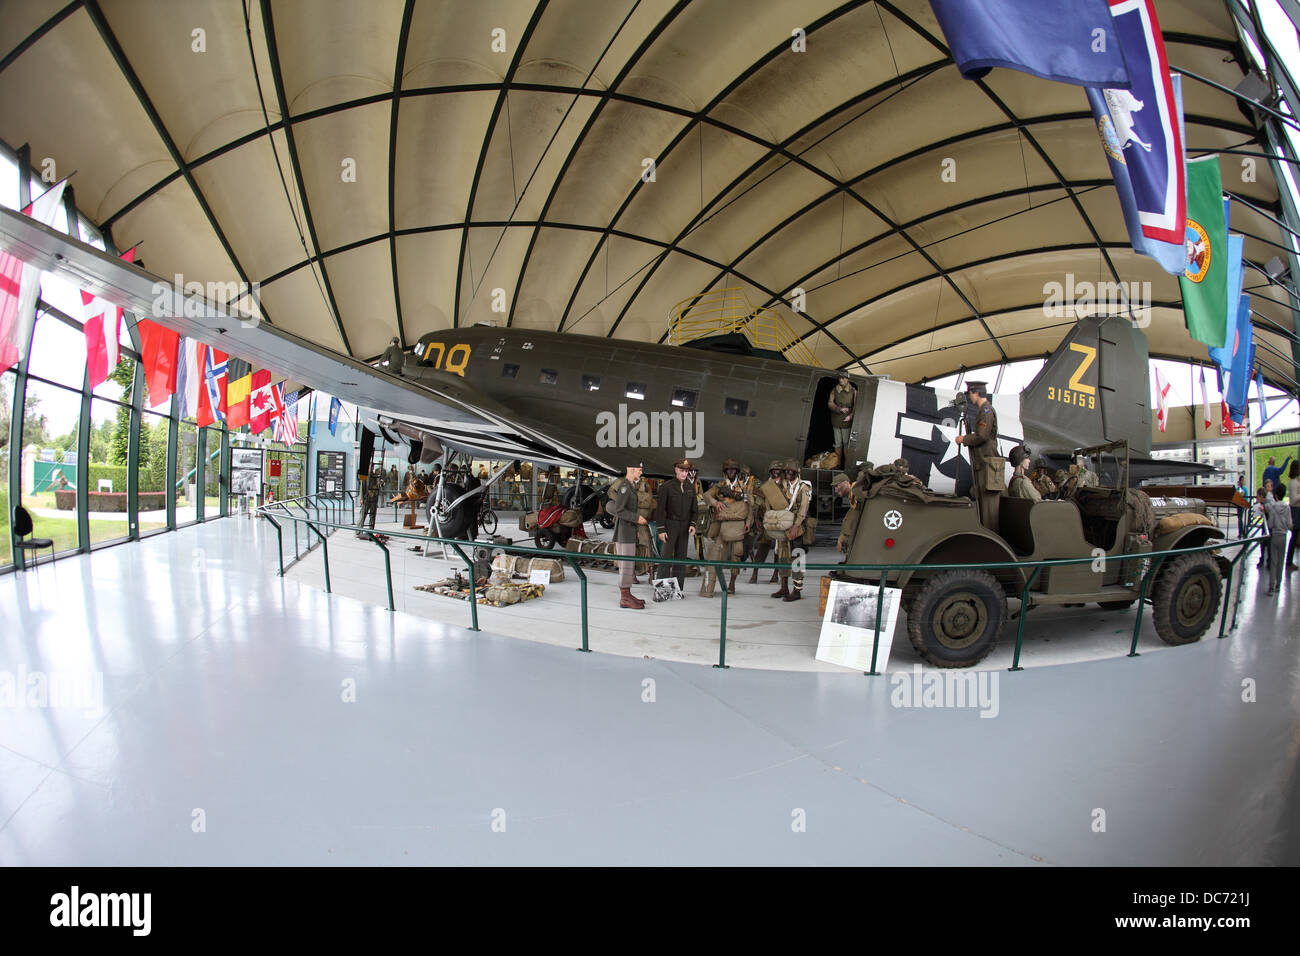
(1093, 389)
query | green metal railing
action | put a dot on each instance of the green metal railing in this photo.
(1153, 560)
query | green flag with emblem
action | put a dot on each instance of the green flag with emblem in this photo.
(1205, 281)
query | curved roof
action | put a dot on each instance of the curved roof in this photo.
(384, 168)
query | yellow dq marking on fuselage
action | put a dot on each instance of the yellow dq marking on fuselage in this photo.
(1078, 394)
(457, 357)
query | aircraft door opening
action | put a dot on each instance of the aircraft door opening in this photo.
(821, 436)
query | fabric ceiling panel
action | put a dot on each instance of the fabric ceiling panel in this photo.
(610, 162)
(206, 97)
(369, 314)
(615, 275)
(750, 214)
(332, 150)
(19, 20)
(298, 305)
(955, 174)
(818, 236)
(332, 51)
(426, 273)
(795, 87)
(647, 319)
(492, 265)
(176, 238)
(719, 41)
(701, 166)
(1019, 231)
(451, 43)
(434, 168)
(558, 255)
(67, 98)
(247, 178)
(864, 276)
(523, 131)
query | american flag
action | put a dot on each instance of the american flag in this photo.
(285, 427)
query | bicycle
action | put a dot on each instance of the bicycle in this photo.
(487, 518)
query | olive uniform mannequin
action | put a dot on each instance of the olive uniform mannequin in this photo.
(1021, 486)
(733, 487)
(763, 543)
(676, 512)
(982, 440)
(840, 403)
(627, 523)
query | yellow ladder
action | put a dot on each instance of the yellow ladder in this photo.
(729, 310)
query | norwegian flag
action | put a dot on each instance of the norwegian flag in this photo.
(285, 427)
(1162, 393)
(212, 399)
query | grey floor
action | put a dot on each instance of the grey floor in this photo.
(222, 736)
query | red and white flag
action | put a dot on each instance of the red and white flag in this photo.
(159, 353)
(1206, 418)
(264, 404)
(20, 284)
(189, 379)
(1162, 394)
(103, 329)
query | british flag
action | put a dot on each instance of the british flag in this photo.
(285, 427)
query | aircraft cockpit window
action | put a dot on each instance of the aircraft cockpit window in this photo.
(548, 376)
(683, 398)
(509, 371)
(635, 390)
(591, 383)
(735, 406)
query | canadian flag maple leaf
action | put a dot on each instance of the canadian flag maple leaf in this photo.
(261, 402)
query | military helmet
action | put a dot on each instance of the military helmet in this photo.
(776, 465)
(731, 463)
(790, 465)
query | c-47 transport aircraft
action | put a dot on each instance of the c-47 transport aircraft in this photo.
(594, 402)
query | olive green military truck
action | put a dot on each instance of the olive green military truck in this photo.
(956, 616)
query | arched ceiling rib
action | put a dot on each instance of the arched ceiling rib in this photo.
(478, 168)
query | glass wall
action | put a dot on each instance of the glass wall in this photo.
(70, 457)
(186, 490)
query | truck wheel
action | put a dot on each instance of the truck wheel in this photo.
(956, 618)
(1115, 605)
(1186, 598)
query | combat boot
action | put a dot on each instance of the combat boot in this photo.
(630, 600)
(795, 593)
(772, 579)
(784, 590)
(707, 585)
(731, 587)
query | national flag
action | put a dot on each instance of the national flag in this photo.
(159, 353)
(189, 380)
(20, 284)
(1205, 281)
(102, 327)
(1206, 418)
(264, 403)
(335, 407)
(239, 384)
(1239, 380)
(212, 400)
(1259, 394)
(1240, 326)
(1162, 396)
(1071, 42)
(1142, 133)
(285, 428)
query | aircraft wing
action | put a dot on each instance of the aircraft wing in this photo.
(436, 404)
(489, 430)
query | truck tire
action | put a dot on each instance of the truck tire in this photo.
(956, 618)
(1186, 598)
